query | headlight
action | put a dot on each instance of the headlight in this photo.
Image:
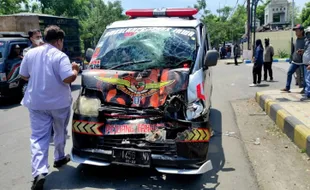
(87, 106)
(194, 110)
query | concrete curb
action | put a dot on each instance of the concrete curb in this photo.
(297, 131)
(274, 61)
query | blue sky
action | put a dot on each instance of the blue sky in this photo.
(211, 4)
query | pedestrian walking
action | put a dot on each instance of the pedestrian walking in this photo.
(48, 99)
(268, 59)
(306, 61)
(296, 55)
(223, 52)
(236, 53)
(258, 63)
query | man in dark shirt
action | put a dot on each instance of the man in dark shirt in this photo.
(236, 53)
(296, 57)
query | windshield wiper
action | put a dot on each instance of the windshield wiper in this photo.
(131, 63)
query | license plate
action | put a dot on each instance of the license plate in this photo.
(131, 157)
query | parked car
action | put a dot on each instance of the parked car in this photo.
(11, 85)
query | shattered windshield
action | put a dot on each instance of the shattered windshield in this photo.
(145, 48)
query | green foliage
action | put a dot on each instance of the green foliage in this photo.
(99, 15)
(303, 151)
(224, 26)
(260, 11)
(10, 6)
(283, 54)
(93, 15)
(305, 15)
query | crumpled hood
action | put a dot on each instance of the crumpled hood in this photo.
(144, 89)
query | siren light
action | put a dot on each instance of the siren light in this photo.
(171, 12)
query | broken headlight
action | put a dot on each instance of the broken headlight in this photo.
(87, 106)
(194, 110)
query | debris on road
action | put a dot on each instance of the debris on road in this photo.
(228, 133)
(257, 141)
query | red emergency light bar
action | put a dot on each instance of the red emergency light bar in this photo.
(171, 12)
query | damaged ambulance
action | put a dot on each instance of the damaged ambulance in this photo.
(145, 99)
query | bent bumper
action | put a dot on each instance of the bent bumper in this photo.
(207, 166)
(163, 164)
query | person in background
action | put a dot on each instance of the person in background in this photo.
(48, 99)
(223, 52)
(258, 63)
(268, 59)
(306, 61)
(35, 36)
(236, 53)
(296, 56)
(15, 53)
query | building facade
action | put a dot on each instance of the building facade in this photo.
(277, 12)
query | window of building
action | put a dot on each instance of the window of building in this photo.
(276, 17)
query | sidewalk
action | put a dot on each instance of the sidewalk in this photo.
(290, 114)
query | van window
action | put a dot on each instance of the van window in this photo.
(160, 47)
(16, 50)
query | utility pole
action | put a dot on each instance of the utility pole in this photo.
(249, 22)
(292, 20)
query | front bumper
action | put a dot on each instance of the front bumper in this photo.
(163, 164)
(179, 148)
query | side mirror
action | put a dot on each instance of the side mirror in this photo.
(211, 58)
(89, 53)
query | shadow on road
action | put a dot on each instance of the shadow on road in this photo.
(114, 177)
(216, 152)
(263, 85)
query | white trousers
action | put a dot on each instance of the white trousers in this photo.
(42, 122)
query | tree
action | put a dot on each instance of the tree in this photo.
(99, 15)
(237, 23)
(224, 13)
(260, 11)
(11, 6)
(222, 27)
(305, 15)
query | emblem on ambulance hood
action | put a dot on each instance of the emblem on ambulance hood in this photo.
(137, 87)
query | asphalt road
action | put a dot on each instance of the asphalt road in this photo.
(232, 169)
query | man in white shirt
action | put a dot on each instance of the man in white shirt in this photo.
(48, 99)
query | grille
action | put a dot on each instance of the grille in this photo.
(138, 141)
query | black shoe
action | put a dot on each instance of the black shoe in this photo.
(38, 182)
(285, 90)
(59, 163)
